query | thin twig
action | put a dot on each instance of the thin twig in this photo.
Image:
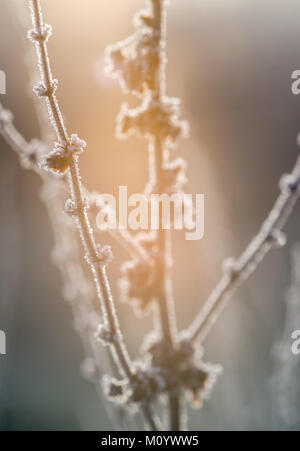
(165, 298)
(99, 271)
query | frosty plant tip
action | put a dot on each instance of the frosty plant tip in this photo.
(153, 212)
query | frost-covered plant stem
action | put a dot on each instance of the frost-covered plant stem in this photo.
(235, 272)
(172, 365)
(165, 298)
(140, 64)
(97, 268)
(76, 290)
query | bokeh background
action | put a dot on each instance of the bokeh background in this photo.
(231, 63)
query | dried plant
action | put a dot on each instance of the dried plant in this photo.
(139, 63)
(171, 366)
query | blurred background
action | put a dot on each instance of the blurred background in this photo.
(231, 63)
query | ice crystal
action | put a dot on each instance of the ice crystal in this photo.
(76, 144)
(183, 368)
(71, 209)
(153, 118)
(41, 90)
(138, 284)
(115, 390)
(58, 160)
(135, 61)
(102, 256)
(40, 34)
(105, 336)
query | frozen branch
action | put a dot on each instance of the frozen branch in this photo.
(63, 158)
(77, 289)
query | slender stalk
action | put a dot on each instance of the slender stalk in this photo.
(248, 261)
(99, 272)
(165, 298)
